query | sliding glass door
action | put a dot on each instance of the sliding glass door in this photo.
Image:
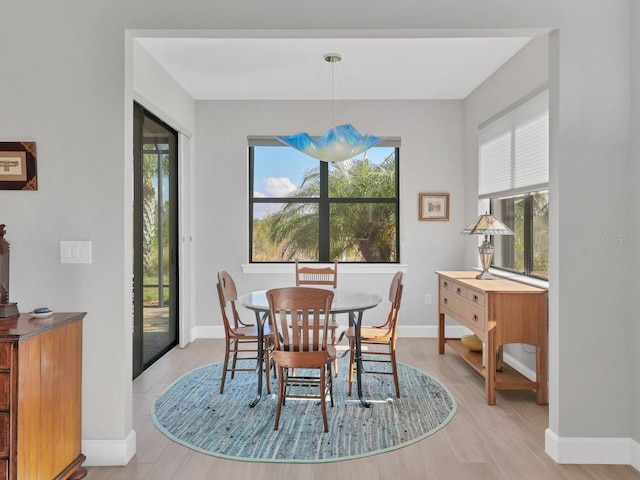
(155, 269)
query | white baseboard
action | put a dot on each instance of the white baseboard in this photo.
(520, 367)
(604, 451)
(207, 331)
(635, 455)
(108, 453)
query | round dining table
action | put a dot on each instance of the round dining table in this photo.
(351, 302)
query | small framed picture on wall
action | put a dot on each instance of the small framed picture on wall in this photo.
(18, 166)
(434, 206)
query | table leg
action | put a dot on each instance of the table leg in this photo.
(260, 319)
(441, 333)
(490, 369)
(358, 356)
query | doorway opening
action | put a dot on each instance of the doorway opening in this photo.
(155, 257)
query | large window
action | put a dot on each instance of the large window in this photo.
(305, 209)
(514, 180)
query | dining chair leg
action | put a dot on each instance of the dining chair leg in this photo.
(235, 345)
(330, 377)
(281, 389)
(224, 366)
(394, 367)
(323, 397)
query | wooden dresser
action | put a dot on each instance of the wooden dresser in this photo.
(40, 397)
(498, 311)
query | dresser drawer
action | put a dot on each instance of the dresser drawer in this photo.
(4, 434)
(5, 356)
(5, 390)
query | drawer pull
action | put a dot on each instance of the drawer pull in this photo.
(445, 301)
(458, 291)
(446, 284)
(475, 298)
(475, 318)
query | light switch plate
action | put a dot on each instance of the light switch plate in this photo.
(75, 251)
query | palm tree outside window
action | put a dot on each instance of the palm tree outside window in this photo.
(312, 211)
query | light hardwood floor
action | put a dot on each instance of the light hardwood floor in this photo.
(501, 442)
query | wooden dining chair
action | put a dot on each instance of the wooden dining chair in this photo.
(380, 340)
(327, 276)
(300, 319)
(241, 339)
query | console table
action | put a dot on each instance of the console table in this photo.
(40, 397)
(498, 311)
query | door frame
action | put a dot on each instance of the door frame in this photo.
(138, 361)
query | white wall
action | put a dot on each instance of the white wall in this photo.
(431, 159)
(635, 204)
(65, 85)
(160, 93)
(517, 78)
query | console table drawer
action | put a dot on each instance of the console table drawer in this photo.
(475, 297)
(458, 307)
(472, 316)
(446, 284)
(459, 290)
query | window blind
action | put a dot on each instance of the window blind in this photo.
(514, 149)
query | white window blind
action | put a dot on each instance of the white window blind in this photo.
(514, 149)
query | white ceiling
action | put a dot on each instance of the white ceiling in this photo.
(294, 68)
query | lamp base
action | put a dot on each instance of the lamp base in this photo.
(485, 275)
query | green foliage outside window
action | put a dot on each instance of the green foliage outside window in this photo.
(357, 214)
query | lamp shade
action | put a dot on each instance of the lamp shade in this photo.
(487, 225)
(337, 144)
(340, 142)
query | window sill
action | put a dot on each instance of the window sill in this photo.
(346, 268)
(534, 282)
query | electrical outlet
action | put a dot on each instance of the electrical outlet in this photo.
(427, 299)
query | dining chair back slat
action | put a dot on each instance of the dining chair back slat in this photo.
(306, 275)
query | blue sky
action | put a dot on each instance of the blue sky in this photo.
(279, 170)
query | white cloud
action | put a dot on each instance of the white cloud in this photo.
(277, 187)
(272, 187)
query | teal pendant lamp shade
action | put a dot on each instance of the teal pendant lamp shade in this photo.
(340, 142)
(337, 144)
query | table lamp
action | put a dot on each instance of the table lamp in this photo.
(486, 225)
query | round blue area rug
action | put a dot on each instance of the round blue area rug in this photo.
(193, 413)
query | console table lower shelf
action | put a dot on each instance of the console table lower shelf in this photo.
(507, 378)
